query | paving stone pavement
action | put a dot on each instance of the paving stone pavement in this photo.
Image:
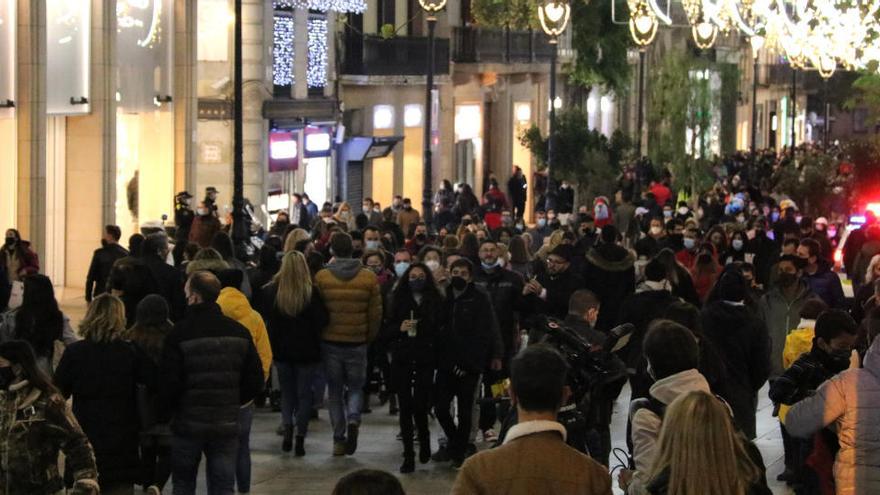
(276, 473)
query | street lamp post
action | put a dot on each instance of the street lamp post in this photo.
(239, 229)
(643, 28)
(757, 42)
(793, 108)
(827, 66)
(554, 15)
(431, 7)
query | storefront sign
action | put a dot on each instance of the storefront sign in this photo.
(283, 151)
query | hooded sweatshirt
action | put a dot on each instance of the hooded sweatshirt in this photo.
(646, 424)
(851, 402)
(235, 305)
(352, 295)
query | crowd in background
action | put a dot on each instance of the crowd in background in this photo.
(345, 307)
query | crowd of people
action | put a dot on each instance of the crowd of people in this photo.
(341, 309)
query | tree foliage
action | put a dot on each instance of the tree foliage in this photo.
(583, 157)
(499, 14)
(866, 93)
(809, 182)
(601, 47)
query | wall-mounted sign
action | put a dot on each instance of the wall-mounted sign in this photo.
(283, 151)
(67, 56)
(317, 141)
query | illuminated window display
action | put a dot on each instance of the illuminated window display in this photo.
(7, 114)
(144, 115)
(67, 56)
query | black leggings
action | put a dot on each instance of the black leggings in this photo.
(412, 382)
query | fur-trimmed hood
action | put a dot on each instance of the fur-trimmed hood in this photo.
(611, 258)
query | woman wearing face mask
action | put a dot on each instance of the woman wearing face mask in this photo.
(36, 425)
(737, 249)
(17, 257)
(416, 313)
(295, 315)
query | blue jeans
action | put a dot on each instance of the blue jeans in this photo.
(297, 396)
(346, 368)
(186, 455)
(243, 462)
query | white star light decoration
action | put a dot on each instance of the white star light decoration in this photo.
(282, 52)
(341, 6)
(316, 73)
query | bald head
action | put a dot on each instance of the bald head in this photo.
(202, 287)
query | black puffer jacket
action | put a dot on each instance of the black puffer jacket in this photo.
(210, 368)
(610, 274)
(295, 339)
(470, 338)
(421, 349)
(505, 288)
(102, 378)
(743, 343)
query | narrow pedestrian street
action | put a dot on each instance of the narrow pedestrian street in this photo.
(275, 473)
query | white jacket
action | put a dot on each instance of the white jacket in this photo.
(850, 401)
(646, 425)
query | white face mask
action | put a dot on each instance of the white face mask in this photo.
(683, 210)
(656, 230)
(432, 264)
(202, 211)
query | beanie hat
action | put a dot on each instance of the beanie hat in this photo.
(732, 287)
(564, 251)
(152, 310)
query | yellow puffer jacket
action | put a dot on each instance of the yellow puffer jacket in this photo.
(235, 305)
(353, 299)
(797, 342)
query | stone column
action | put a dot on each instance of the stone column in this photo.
(300, 54)
(91, 150)
(256, 59)
(31, 120)
(185, 95)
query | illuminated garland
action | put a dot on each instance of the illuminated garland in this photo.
(341, 6)
(282, 51)
(316, 72)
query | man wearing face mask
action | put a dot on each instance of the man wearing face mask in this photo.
(655, 240)
(684, 212)
(373, 217)
(204, 226)
(818, 275)
(781, 306)
(548, 293)
(402, 260)
(372, 239)
(505, 288)
(102, 262)
(540, 231)
(467, 347)
(835, 335)
(687, 255)
(418, 240)
(408, 216)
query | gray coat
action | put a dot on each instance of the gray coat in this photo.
(850, 402)
(781, 317)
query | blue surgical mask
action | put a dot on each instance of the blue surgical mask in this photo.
(774, 216)
(401, 267)
(542, 222)
(689, 242)
(489, 266)
(737, 244)
(372, 245)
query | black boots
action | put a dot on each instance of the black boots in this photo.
(424, 447)
(287, 443)
(409, 463)
(300, 449)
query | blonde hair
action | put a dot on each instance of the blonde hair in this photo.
(869, 275)
(701, 450)
(294, 284)
(293, 239)
(105, 319)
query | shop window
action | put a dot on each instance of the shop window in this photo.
(67, 56)
(8, 166)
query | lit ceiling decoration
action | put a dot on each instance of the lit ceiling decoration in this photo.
(642, 22)
(340, 6)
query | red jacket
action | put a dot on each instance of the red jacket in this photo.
(661, 193)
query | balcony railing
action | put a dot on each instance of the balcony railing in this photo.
(477, 45)
(407, 56)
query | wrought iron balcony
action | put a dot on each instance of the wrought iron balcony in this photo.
(478, 45)
(401, 55)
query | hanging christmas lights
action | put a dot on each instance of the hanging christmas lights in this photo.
(282, 50)
(316, 72)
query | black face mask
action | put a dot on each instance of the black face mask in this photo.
(787, 279)
(837, 361)
(458, 283)
(10, 241)
(7, 376)
(421, 237)
(417, 284)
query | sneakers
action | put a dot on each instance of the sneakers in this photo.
(351, 442)
(490, 436)
(338, 449)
